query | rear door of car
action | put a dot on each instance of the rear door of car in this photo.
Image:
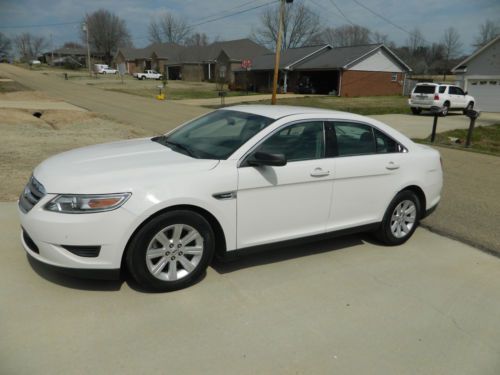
(368, 166)
(458, 97)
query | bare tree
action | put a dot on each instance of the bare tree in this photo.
(415, 41)
(169, 28)
(5, 46)
(72, 45)
(452, 47)
(29, 46)
(347, 35)
(487, 31)
(107, 32)
(197, 39)
(301, 25)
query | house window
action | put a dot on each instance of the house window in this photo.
(493, 82)
(394, 77)
(474, 83)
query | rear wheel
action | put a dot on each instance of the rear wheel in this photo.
(445, 109)
(469, 107)
(142, 77)
(401, 219)
(415, 110)
(171, 251)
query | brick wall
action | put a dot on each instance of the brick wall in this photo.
(361, 83)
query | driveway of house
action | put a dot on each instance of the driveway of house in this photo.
(344, 306)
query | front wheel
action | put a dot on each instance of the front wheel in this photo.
(171, 251)
(445, 110)
(401, 219)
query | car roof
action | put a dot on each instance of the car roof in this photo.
(279, 111)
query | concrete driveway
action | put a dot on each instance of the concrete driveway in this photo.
(345, 306)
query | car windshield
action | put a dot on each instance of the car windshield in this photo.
(216, 135)
(425, 89)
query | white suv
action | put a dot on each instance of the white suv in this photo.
(446, 97)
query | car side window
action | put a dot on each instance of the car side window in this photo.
(384, 143)
(459, 91)
(354, 139)
(442, 89)
(302, 141)
(452, 90)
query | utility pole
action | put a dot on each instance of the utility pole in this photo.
(278, 49)
(85, 28)
(52, 50)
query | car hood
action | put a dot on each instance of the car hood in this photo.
(115, 167)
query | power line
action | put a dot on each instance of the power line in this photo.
(342, 13)
(227, 10)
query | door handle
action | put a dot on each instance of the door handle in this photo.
(391, 166)
(319, 172)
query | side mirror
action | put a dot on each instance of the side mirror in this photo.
(263, 158)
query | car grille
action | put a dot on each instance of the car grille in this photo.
(31, 195)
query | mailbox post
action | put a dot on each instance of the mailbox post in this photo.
(473, 115)
(436, 111)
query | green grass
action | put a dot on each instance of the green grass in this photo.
(369, 105)
(485, 139)
(11, 86)
(175, 93)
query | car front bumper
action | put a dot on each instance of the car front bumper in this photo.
(76, 241)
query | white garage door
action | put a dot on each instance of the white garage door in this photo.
(487, 94)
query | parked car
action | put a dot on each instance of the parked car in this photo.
(109, 71)
(148, 74)
(238, 178)
(446, 97)
(99, 68)
(35, 62)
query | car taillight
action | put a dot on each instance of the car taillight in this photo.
(436, 97)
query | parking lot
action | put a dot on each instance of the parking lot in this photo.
(343, 306)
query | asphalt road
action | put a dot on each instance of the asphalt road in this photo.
(344, 306)
(156, 116)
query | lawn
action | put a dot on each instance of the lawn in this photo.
(485, 139)
(368, 105)
(11, 86)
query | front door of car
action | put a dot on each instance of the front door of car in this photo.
(367, 169)
(276, 203)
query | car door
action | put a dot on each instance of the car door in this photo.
(460, 100)
(280, 203)
(367, 169)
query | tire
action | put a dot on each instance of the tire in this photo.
(445, 110)
(157, 257)
(469, 107)
(142, 77)
(415, 110)
(396, 229)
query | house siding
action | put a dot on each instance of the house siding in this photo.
(486, 63)
(363, 83)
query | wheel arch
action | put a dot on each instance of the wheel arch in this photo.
(417, 190)
(220, 237)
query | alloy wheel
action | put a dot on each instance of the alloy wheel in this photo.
(174, 252)
(403, 218)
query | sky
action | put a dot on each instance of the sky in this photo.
(432, 17)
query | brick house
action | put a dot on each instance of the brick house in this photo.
(365, 70)
(192, 63)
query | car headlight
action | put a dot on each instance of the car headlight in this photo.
(82, 204)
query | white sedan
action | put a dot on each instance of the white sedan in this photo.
(235, 179)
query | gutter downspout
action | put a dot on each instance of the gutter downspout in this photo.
(285, 82)
(340, 82)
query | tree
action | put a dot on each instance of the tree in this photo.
(29, 46)
(107, 32)
(75, 45)
(487, 31)
(169, 28)
(197, 40)
(347, 35)
(301, 25)
(5, 46)
(452, 47)
(415, 41)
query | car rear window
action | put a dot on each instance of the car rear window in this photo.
(424, 89)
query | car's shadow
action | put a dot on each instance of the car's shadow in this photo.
(275, 254)
(281, 253)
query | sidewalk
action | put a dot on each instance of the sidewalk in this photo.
(236, 99)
